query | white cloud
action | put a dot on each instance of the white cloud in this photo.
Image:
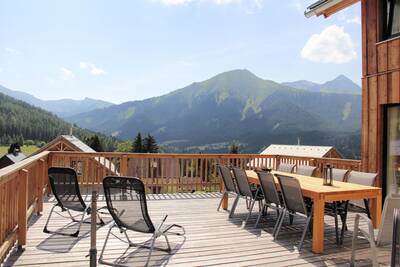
(1, 70)
(332, 45)
(13, 51)
(67, 74)
(93, 69)
(356, 20)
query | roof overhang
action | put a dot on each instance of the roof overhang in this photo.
(327, 7)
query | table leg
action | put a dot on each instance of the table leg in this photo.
(376, 210)
(225, 201)
(318, 226)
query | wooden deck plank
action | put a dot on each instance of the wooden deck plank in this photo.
(211, 239)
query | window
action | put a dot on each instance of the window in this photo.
(392, 15)
(392, 157)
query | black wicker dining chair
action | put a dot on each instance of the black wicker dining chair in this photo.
(65, 188)
(126, 202)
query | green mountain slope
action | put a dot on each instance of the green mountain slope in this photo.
(235, 105)
(340, 85)
(61, 107)
(21, 120)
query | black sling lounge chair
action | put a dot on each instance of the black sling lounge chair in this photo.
(65, 187)
(126, 202)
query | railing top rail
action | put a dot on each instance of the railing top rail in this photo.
(174, 155)
(12, 169)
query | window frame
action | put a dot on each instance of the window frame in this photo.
(388, 20)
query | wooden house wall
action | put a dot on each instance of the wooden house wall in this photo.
(380, 83)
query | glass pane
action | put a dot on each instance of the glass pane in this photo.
(393, 147)
(396, 18)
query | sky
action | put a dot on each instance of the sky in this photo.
(127, 50)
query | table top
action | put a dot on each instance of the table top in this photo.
(313, 186)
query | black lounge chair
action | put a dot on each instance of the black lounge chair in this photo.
(126, 202)
(65, 187)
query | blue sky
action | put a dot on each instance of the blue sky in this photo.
(129, 50)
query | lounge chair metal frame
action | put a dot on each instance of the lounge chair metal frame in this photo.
(63, 203)
(126, 184)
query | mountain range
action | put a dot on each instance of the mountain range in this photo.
(61, 107)
(339, 85)
(238, 106)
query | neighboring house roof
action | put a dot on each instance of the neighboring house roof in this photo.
(15, 157)
(74, 143)
(298, 150)
(327, 7)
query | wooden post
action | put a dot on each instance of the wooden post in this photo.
(124, 166)
(93, 231)
(22, 207)
(40, 184)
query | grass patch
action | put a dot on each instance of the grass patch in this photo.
(27, 150)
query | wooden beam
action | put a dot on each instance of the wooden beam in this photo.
(22, 208)
(338, 7)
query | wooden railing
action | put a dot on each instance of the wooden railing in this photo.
(166, 173)
(22, 187)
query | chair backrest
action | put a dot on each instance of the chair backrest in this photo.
(65, 187)
(286, 167)
(242, 182)
(306, 170)
(227, 178)
(363, 178)
(126, 202)
(385, 232)
(268, 186)
(292, 195)
(339, 174)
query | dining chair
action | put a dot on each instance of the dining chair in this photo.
(229, 184)
(362, 178)
(293, 204)
(271, 197)
(65, 187)
(126, 202)
(286, 167)
(336, 208)
(245, 191)
(306, 170)
(385, 233)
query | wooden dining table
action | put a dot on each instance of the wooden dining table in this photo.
(313, 188)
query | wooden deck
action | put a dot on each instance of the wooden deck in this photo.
(211, 239)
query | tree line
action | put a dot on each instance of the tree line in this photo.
(23, 123)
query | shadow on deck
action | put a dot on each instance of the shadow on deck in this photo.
(211, 239)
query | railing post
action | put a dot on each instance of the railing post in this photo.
(22, 207)
(93, 230)
(40, 184)
(124, 165)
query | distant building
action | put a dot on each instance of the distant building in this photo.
(294, 151)
(302, 151)
(11, 158)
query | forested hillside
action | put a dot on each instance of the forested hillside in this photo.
(20, 121)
